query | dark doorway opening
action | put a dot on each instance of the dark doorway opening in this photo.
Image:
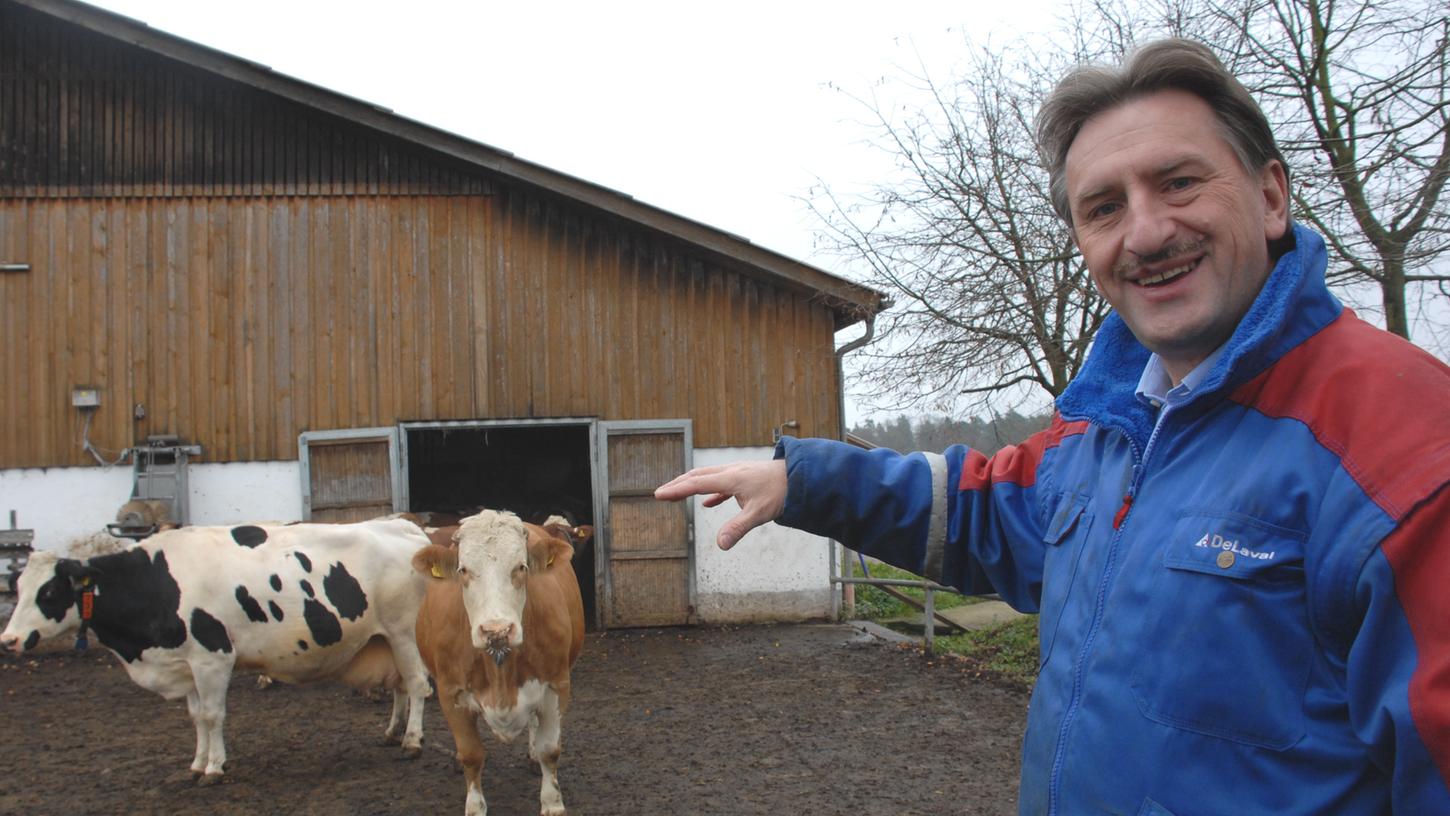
(535, 471)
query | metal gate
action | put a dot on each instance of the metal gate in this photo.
(647, 546)
(351, 475)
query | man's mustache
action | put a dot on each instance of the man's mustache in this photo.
(1166, 253)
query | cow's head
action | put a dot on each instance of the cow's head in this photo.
(47, 596)
(577, 535)
(495, 558)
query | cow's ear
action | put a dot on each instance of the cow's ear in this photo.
(436, 562)
(78, 573)
(548, 550)
(574, 535)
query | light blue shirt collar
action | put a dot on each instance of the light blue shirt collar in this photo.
(1157, 389)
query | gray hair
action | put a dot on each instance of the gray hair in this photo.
(1170, 64)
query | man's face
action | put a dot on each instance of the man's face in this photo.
(1173, 229)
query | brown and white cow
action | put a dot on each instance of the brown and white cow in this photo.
(500, 628)
(185, 607)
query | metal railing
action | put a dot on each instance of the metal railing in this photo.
(928, 588)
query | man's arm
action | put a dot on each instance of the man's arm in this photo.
(958, 517)
(1399, 662)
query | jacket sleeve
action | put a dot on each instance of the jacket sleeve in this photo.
(958, 517)
(1398, 669)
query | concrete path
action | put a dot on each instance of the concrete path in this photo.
(982, 615)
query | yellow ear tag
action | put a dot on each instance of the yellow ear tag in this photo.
(85, 582)
(550, 562)
(437, 573)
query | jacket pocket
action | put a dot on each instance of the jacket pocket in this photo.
(1228, 648)
(1067, 529)
(1152, 808)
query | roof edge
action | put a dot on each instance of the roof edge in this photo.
(852, 302)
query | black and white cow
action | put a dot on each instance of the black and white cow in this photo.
(301, 603)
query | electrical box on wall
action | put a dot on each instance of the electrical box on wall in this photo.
(85, 396)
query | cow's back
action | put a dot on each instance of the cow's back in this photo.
(297, 601)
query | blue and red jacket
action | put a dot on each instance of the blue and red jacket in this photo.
(1244, 607)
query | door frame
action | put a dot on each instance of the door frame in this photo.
(396, 461)
(507, 424)
(603, 530)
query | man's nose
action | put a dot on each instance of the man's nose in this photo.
(1148, 228)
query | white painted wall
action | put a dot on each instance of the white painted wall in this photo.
(773, 573)
(62, 503)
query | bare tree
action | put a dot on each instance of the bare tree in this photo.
(1359, 93)
(992, 300)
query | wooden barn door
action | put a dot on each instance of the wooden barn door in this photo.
(351, 475)
(647, 546)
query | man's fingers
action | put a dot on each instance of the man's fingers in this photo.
(689, 483)
(735, 529)
(758, 486)
(730, 533)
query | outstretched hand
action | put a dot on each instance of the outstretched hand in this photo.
(758, 486)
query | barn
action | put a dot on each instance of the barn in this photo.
(338, 312)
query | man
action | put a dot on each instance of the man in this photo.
(1236, 530)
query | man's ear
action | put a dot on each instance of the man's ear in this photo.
(436, 562)
(1274, 185)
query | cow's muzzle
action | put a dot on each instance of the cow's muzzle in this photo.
(497, 640)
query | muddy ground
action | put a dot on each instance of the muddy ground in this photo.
(792, 719)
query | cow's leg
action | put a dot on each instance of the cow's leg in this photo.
(211, 679)
(414, 676)
(394, 733)
(203, 733)
(463, 722)
(544, 747)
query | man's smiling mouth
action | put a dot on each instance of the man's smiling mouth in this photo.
(1167, 275)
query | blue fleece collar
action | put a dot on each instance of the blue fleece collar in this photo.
(1294, 304)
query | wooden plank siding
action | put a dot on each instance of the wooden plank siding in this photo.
(240, 322)
(246, 267)
(85, 115)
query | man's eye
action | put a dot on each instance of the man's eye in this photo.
(1103, 210)
(1180, 183)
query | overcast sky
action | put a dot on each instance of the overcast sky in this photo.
(725, 113)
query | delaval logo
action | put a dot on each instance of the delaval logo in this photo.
(1214, 541)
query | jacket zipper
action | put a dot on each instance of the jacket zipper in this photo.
(1119, 518)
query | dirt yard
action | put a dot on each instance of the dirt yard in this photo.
(776, 719)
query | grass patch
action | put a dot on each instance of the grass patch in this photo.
(1008, 649)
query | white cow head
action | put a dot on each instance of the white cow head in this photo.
(496, 558)
(47, 596)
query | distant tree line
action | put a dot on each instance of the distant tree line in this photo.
(935, 433)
